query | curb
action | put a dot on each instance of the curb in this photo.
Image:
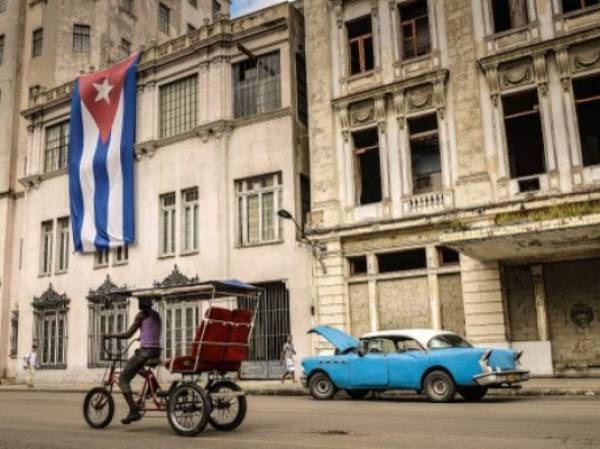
(253, 391)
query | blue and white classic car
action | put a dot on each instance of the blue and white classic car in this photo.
(438, 363)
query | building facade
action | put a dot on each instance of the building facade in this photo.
(220, 147)
(454, 170)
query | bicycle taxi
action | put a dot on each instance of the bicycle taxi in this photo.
(220, 345)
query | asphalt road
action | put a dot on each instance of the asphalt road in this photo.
(49, 421)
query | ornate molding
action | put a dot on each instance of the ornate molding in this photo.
(362, 112)
(344, 120)
(105, 290)
(50, 299)
(562, 61)
(400, 108)
(147, 149)
(339, 13)
(439, 94)
(541, 78)
(380, 113)
(491, 75)
(176, 279)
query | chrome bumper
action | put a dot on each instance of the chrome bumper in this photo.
(499, 378)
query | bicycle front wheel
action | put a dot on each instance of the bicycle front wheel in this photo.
(228, 405)
(98, 407)
(188, 410)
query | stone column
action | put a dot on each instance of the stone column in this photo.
(485, 320)
(373, 300)
(434, 288)
(537, 275)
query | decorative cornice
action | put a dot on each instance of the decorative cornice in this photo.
(105, 290)
(176, 279)
(50, 299)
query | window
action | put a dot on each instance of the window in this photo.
(190, 220)
(14, 333)
(425, 154)
(181, 320)
(194, 3)
(524, 137)
(216, 9)
(257, 85)
(258, 201)
(63, 238)
(414, 29)
(178, 106)
(380, 346)
(587, 103)
(448, 341)
(51, 337)
(124, 48)
(121, 256)
(101, 258)
(37, 42)
(302, 97)
(127, 5)
(1, 49)
(164, 18)
(167, 224)
(413, 259)
(367, 177)
(304, 197)
(360, 45)
(358, 265)
(574, 5)
(57, 145)
(46, 247)
(509, 14)
(104, 318)
(81, 38)
(447, 256)
(3, 5)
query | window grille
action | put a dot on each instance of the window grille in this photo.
(57, 145)
(46, 247)
(181, 318)
(190, 220)
(103, 319)
(81, 38)
(257, 85)
(178, 106)
(51, 337)
(124, 48)
(63, 238)
(164, 18)
(167, 224)
(258, 201)
(121, 255)
(37, 42)
(101, 258)
(127, 5)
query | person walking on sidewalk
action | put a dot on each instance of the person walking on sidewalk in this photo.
(287, 357)
(30, 364)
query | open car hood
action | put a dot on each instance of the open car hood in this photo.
(340, 339)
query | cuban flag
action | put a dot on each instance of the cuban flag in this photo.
(101, 157)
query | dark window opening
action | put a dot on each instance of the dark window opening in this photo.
(587, 102)
(216, 9)
(360, 42)
(524, 137)
(529, 185)
(368, 171)
(81, 38)
(305, 197)
(358, 265)
(425, 154)
(302, 97)
(574, 5)
(414, 259)
(447, 256)
(509, 14)
(37, 42)
(414, 29)
(164, 18)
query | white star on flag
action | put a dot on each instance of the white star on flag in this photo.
(103, 91)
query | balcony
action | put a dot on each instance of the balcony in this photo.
(427, 203)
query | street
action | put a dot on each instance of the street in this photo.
(54, 420)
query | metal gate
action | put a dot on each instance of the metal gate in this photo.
(271, 328)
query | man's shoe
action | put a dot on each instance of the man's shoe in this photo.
(134, 415)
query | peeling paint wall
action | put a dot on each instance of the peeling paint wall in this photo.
(359, 308)
(518, 285)
(451, 299)
(403, 303)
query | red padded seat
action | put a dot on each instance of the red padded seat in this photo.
(237, 351)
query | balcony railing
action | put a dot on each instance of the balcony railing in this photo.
(429, 202)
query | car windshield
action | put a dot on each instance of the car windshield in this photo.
(448, 341)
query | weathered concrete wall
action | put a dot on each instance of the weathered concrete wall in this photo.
(359, 308)
(520, 300)
(451, 301)
(403, 303)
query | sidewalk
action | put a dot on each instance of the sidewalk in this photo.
(534, 387)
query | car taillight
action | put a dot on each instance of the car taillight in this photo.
(518, 355)
(484, 360)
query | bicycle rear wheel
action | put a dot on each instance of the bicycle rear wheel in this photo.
(229, 405)
(188, 410)
(98, 407)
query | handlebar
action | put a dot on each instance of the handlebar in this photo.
(120, 351)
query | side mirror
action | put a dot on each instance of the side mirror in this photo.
(363, 348)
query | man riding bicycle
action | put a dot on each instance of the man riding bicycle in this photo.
(150, 325)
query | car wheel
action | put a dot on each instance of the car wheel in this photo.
(321, 387)
(473, 393)
(357, 394)
(439, 386)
